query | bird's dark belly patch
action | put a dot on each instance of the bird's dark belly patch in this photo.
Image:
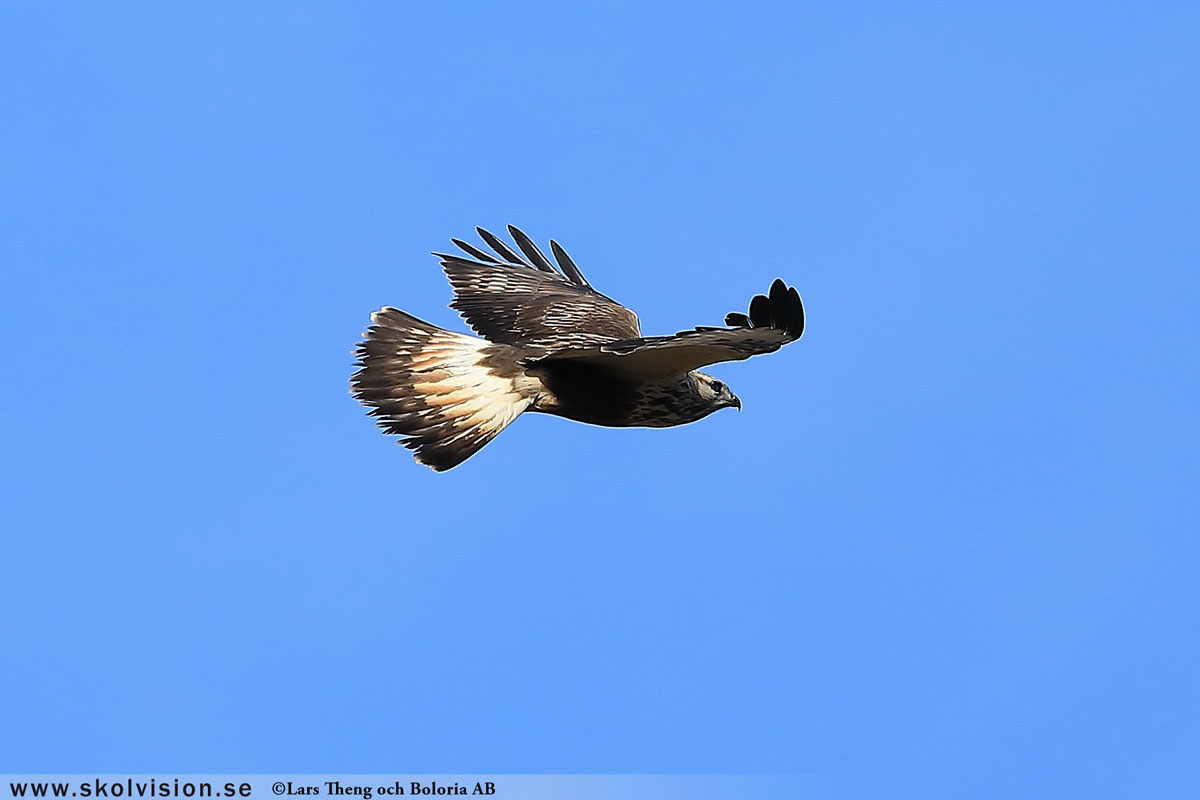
(587, 393)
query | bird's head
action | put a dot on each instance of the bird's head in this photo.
(715, 392)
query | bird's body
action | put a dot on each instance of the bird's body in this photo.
(551, 344)
(604, 395)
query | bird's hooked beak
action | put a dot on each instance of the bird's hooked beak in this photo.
(735, 401)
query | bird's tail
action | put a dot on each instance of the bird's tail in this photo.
(446, 393)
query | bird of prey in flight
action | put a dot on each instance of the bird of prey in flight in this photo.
(551, 343)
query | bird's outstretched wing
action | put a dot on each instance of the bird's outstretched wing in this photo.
(525, 301)
(774, 320)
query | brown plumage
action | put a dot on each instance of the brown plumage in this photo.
(551, 343)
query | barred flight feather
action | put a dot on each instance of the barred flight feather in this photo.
(447, 394)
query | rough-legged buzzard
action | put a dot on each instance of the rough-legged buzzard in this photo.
(551, 343)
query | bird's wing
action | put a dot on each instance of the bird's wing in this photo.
(510, 299)
(774, 320)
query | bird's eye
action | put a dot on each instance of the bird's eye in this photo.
(718, 386)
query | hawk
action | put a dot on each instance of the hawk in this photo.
(551, 343)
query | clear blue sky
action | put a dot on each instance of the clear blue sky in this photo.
(949, 548)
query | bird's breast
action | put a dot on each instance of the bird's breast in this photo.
(600, 395)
